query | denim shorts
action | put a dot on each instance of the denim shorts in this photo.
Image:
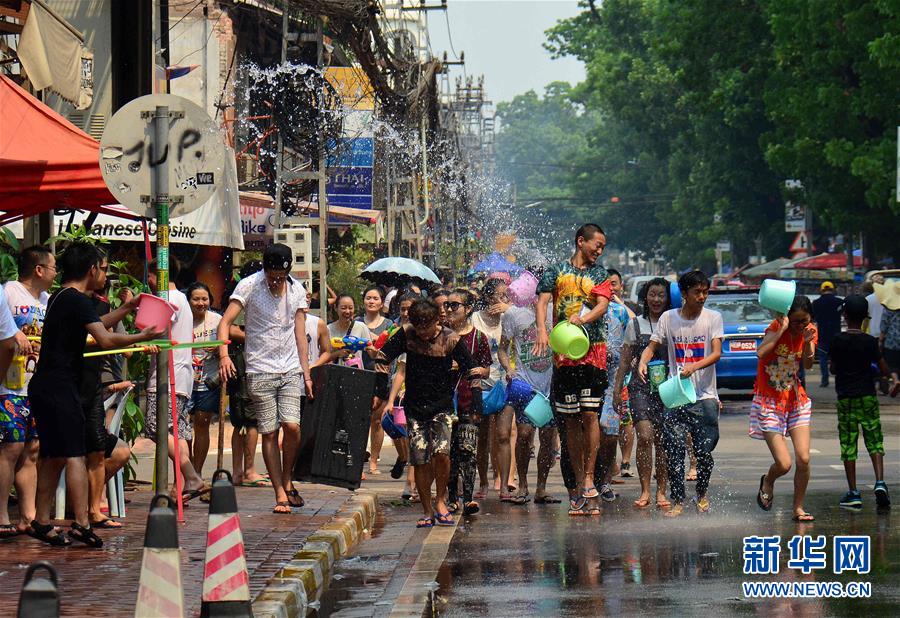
(205, 401)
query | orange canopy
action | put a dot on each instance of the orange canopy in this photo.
(46, 162)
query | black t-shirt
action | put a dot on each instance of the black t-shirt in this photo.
(827, 310)
(62, 340)
(852, 356)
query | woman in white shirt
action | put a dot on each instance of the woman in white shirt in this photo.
(347, 325)
(205, 362)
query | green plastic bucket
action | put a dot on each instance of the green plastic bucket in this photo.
(569, 340)
(777, 295)
(657, 371)
(539, 411)
(677, 391)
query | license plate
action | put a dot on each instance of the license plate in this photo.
(743, 345)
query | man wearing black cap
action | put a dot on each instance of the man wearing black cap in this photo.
(277, 360)
(827, 314)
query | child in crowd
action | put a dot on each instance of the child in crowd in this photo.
(852, 356)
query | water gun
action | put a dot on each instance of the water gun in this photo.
(354, 344)
(385, 335)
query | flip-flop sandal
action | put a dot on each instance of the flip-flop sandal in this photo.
(406, 497)
(471, 508)
(763, 499)
(397, 470)
(803, 518)
(425, 522)
(576, 507)
(663, 504)
(443, 519)
(107, 523)
(546, 500)
(642, 504)
(593, 511)
(691, 477)
(480, 494)
(452, 507)
(280, 508)
(415, 499)
(41, 532)
(84, 535)
(520, 500)
(506, 497)
(189, 494)
(298, 501)
(257, 483)
(8, 531)
(589, 492)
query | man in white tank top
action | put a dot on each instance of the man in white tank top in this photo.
(317, 340)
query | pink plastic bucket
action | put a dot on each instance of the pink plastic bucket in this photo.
(399, 415)
(154, 311)
(522, 291)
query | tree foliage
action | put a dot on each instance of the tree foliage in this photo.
(695, 113)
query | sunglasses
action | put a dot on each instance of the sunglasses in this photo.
(452, 305)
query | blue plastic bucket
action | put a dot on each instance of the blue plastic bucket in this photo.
(539, 411)
(675, 295)
(494, 399)
(677, 391)
(777, 295)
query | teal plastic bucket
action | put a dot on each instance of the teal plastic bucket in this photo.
(539, 411)
(677, 391)
(569, 340)
(777, 295)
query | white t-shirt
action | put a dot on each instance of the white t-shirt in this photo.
(205, 361)
(631, 334)
(876, 309)
(690, 341)
(359, 329)
(519, 326)
(26, 313)
(312, 337)
(269, 322)
(493, 334)
(182, 332)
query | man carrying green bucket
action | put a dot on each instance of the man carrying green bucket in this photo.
(693, 336)
(580, 291)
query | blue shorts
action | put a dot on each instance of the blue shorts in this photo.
(519, 394)
(205, 401)
(16, 421)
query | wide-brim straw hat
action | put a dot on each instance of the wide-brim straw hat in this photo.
(888, 294)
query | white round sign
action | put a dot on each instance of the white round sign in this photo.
(194, 155)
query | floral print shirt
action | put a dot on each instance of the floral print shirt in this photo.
(777, 378)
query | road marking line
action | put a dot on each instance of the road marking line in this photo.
(419, 585)
(815, 451)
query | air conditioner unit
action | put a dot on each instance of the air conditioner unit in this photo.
(299, 239)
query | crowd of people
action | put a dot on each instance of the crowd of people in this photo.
(457, 369)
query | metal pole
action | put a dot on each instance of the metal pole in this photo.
(160, 192)
(323, 199)
(279, 148)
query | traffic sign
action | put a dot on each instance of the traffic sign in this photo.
(800, 244)
(194, 155)
(724, 246)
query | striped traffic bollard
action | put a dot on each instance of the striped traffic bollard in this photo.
(160, 592)
(40, 597)
(226, 583)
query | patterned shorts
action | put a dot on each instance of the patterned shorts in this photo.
(856, 412)
(185, 428)
(16, 420)
(275, 398)
(429, 437)
(579, 388)
(765, 418)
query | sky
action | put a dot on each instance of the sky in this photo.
(503, 40)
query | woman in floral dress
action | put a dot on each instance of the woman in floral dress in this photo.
(781, 406)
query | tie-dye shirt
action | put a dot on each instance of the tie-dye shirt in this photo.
(574, 291)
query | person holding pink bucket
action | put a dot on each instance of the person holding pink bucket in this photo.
(528, 388)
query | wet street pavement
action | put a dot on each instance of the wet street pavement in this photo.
(536, 560)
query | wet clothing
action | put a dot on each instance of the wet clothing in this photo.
(463, 463)
(429, 379)
(429, 437)
(579, 388)
(17, 423)
(477, 343)
(644, 403)
(54, 390)
(358, 330)
(575, 291)
(859, 412)
(205, 361)
(493, 332)
(701, 420)
(28, 314)
(617, 321)
(690, 341)
(853, 355)
(519, 327)
(386, 323)
(275, 398)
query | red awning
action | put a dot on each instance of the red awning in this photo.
(46, 162)
(828, 260)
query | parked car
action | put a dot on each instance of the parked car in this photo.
(745, 322)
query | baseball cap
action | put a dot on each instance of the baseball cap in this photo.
(277, 257)
(856, 307)
(826, 285)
